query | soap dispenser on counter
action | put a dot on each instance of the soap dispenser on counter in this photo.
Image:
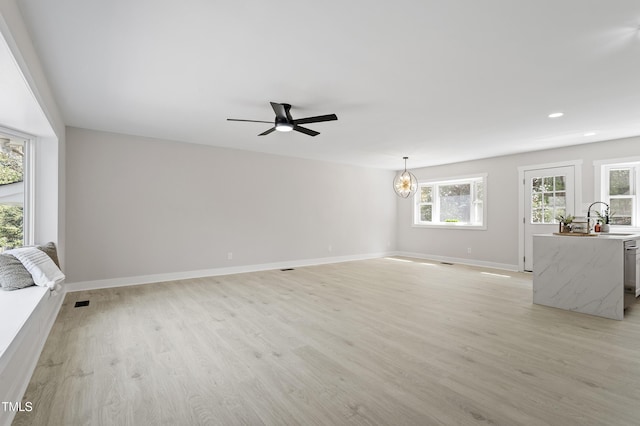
(602, 217)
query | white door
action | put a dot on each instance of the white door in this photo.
(547, 194)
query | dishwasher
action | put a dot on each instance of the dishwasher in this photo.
(631, 272)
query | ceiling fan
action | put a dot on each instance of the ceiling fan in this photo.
(284, 123)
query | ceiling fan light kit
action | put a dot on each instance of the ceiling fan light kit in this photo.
(285, 123)
(405, 183)
(284, 127)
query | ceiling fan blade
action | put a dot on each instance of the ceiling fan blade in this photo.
(305, 130)
(317, 119)
(287, 110)
(250, 121)
(266, 132)
(280, 110)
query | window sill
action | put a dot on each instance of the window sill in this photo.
(460, 227)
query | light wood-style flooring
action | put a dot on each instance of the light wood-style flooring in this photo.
(376, 342)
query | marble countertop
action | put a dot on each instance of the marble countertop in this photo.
(582, 274)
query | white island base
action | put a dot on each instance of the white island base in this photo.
(581, 274)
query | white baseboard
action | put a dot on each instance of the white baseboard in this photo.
(173, 276)
(461, 261)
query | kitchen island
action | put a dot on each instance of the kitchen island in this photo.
(581, 273)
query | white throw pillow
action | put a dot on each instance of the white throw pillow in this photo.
(44, 271)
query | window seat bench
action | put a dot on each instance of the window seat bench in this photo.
(26, 317)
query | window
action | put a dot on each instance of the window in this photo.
(12, 192)
(451, 203)
(619, 189)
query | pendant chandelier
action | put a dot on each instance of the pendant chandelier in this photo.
(405, 184)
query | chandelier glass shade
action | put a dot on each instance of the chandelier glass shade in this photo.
(405, 184)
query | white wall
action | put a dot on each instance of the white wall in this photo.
(139, 206)
(499, 244)
(50, 140)
(17, 365)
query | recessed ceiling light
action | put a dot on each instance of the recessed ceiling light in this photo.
(556, 115)
(589, 134)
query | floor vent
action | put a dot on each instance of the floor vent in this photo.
(446, 263)
(81, 304)
(287, 269)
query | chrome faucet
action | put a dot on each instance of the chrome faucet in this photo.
(589, 213)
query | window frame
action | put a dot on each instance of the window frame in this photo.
(28, 177)
(29, 220)
(602, 174)
(472, 180)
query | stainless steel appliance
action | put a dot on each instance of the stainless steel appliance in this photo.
(631, 272)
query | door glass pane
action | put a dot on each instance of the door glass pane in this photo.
(536, 216)
(548, 198)
(620, 182)
(536, 200)
(536, 184)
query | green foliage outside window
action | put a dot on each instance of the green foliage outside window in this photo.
(620, 182)
(455, 203)
(10, 168)
(11, 216)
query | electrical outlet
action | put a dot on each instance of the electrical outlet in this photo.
(330, 248)
(229, 256)
(468, 250)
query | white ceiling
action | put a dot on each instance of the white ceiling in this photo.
(439, 81)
